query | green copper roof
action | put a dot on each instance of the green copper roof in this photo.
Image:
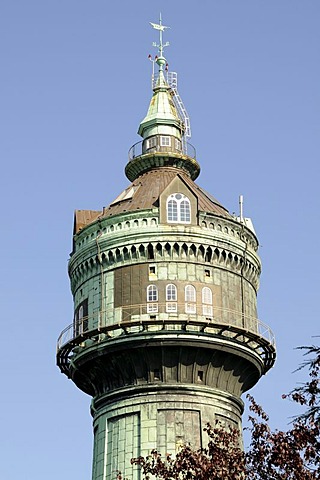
(162, 116)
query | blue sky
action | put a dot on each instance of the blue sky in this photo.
(74, 85)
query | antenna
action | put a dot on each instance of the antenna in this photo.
(241, 208)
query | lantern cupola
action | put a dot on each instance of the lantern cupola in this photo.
(166, 127)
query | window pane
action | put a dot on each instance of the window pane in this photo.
(171, 292)
(165, 141)
(207, 296)
(190, 308)
(171, 307)
(152, 308)
(172, 211)
(152, 293)
(207, 301)
(207, 310)
(190, 293)
(185, 211)
(178, 208)
(151, 142)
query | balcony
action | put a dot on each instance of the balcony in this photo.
(138, 149)
(142, 159)
(219, 323)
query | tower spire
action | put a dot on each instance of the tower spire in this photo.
(165, 127)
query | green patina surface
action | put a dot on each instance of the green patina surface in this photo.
(162, 116)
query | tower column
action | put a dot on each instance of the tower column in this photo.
(162, 420)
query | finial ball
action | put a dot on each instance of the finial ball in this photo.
(161, 61)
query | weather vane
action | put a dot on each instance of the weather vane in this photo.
(161, 28)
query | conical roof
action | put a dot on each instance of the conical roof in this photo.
(162, 116)
(145, 191)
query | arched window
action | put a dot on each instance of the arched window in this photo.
(171, 293)
(152, 298)
(185, 211)
(178, 208)
(190, 299)
(172, 210)
(207, 301)
(81, 318)
(171, 298)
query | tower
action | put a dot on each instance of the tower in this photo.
(165, 334)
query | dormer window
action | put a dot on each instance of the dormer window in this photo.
(178, 209)
(165, 141)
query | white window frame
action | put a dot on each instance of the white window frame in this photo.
(152, 299)
(165, 141)
(171, 298)
(171, 293)
(190, 299)
(172, 210)
(151, 142)
(152, 293)
(178, 208)
(207, 309)
(185, 213)
(152, 308)
(171, 307)
(178, 144)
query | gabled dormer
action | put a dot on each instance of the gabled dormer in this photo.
(178, 204)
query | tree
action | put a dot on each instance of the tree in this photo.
(294, 454)
(223, 458)
(272, 455)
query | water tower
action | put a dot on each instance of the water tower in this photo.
(165, 335)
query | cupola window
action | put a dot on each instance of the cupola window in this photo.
(178, 208)
(165, 141)
(178, 144)
(151, 142)
(171, 298)
(207, 302)
(152, 298)
(190, 299)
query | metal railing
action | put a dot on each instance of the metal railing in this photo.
(137, 150)
(169, 316)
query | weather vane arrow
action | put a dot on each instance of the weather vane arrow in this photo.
(161, 28)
